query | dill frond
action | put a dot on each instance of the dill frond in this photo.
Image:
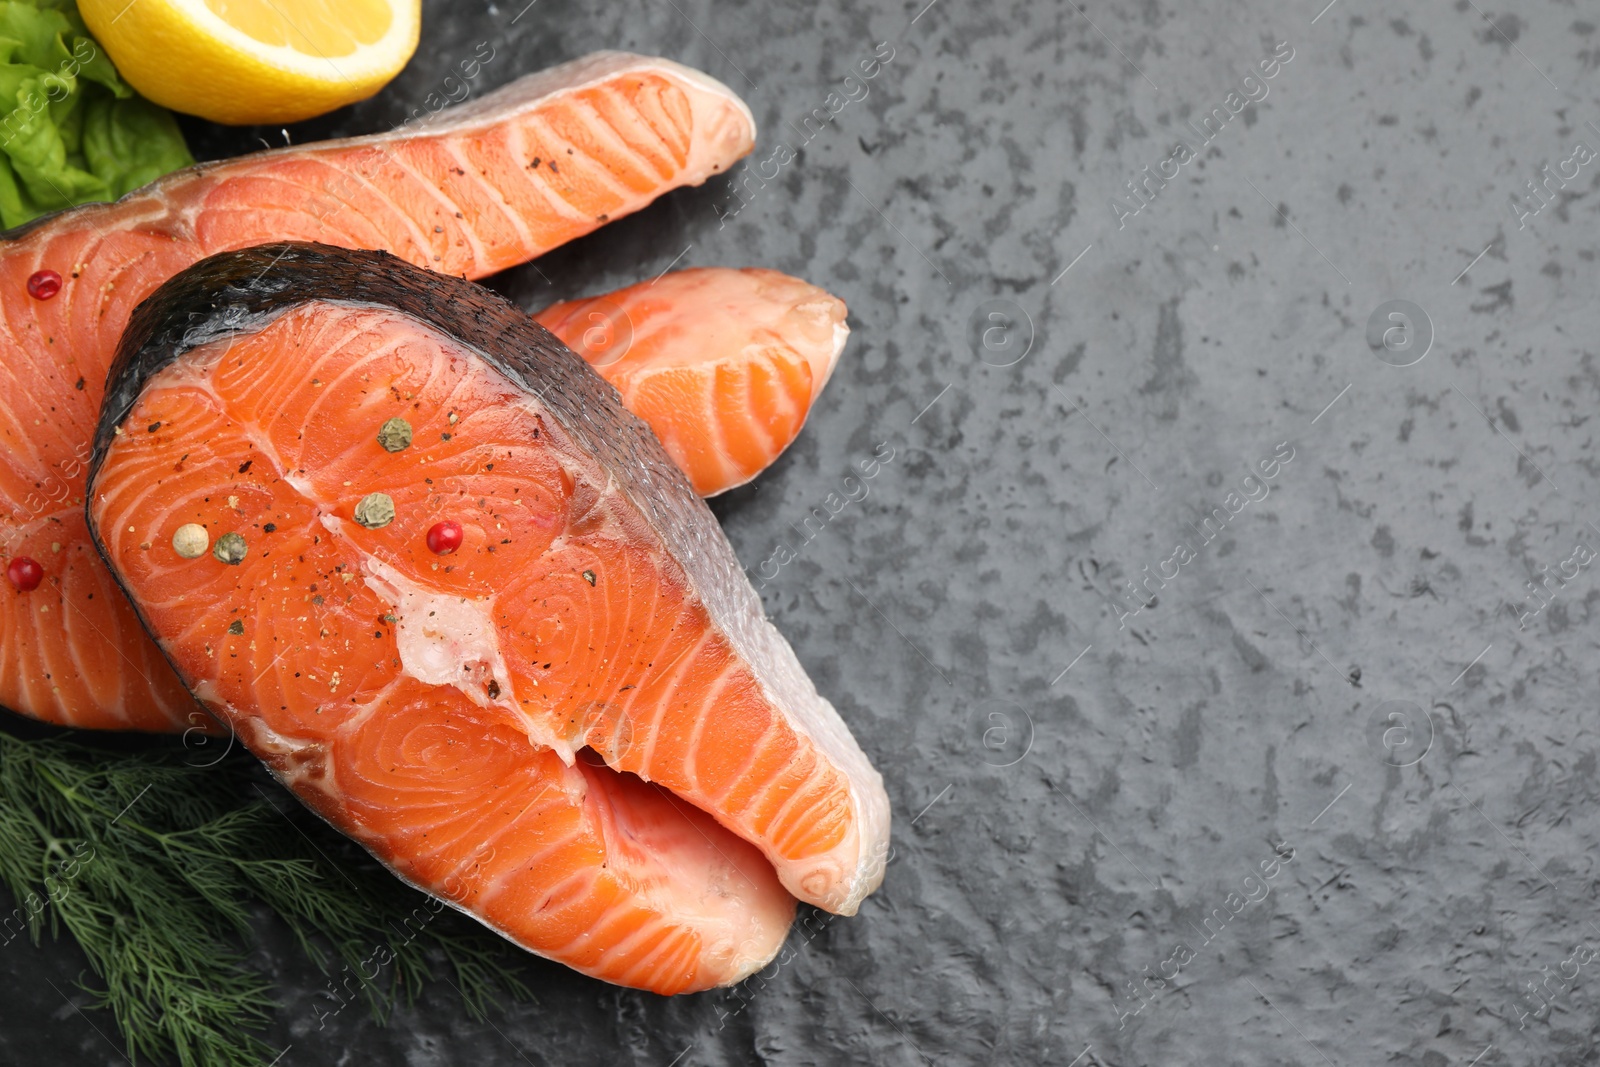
(157, 867)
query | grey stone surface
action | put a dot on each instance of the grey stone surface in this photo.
(1077, 788)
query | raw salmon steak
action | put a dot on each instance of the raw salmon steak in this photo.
(723, 364)
(420, 558)
(484, 186)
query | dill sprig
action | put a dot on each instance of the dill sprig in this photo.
(157, 866)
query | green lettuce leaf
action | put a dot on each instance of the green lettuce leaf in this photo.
(71, 130)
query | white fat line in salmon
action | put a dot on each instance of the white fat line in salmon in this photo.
(817, 519)
(851, 90)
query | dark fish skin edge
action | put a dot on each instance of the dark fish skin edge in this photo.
(242, 291)
(236, 292)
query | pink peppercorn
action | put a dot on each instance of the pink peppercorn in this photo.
(43, 284)
(25, 574)
(445, 537)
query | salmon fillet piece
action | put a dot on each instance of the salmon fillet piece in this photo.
(723, 364)
(484, 186)
(578, 725)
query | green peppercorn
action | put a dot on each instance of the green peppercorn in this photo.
(230, 549)
(395, 435)
(375, 511)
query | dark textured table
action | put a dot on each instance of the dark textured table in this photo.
(1190, 623)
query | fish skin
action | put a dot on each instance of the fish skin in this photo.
(189, 359)
(459, 194)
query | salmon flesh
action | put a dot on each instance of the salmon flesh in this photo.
(482, 187)
(571, 718)
(723, 364)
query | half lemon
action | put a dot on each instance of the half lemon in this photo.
(256, 61)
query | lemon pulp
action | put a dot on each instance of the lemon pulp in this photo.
(328, 28)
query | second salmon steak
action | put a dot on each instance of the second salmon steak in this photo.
(418, 555)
